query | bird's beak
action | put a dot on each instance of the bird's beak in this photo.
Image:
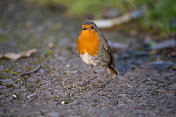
(84, 28)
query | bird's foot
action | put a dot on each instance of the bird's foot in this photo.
(84, 83)
(102, 85)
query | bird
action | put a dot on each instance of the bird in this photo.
(94, 49)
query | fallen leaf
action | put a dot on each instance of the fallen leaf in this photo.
(27, 53)
(15, 56)
(11, 56)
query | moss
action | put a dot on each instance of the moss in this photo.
(31, 89)
(29, 68)
(5, 77)
(95, 101)
(3, 39)
(20, 97)
(26, 77)
(9, 71)
(71, 87)
(49, 52)
(7, 95)
(41, 58)
(50, 69)
(155, 93)
(18, 80)
(10, 86)
(94, 105)
(37, 81)
(56, 98)
(66, 102)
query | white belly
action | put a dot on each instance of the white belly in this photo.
(90, 60)
(95, 60)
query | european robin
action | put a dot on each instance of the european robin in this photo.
(94, 49)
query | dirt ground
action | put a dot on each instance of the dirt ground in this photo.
(54, 91)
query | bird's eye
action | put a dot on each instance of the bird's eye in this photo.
(92, 27)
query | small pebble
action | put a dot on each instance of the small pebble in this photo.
(68, 65)
(15, 96)
(63, 102)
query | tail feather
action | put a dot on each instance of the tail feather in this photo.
(112, 69)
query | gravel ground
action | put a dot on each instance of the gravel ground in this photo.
(54, 91)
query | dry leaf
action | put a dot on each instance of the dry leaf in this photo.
(11, 56)
(15, 56)
(27, 53)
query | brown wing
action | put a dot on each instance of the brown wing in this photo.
(111, 64)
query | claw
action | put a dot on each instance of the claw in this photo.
(103, 85)
(85, 83)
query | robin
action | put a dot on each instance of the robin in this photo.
(94, 49)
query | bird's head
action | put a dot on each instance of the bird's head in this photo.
(88, 26)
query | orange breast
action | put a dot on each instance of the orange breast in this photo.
(88, 42)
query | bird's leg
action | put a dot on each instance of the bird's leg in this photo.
(103, 84)
(85, 79)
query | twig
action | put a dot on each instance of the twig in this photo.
(108, 23)
(27, 73)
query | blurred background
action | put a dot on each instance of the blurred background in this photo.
(157, 14)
